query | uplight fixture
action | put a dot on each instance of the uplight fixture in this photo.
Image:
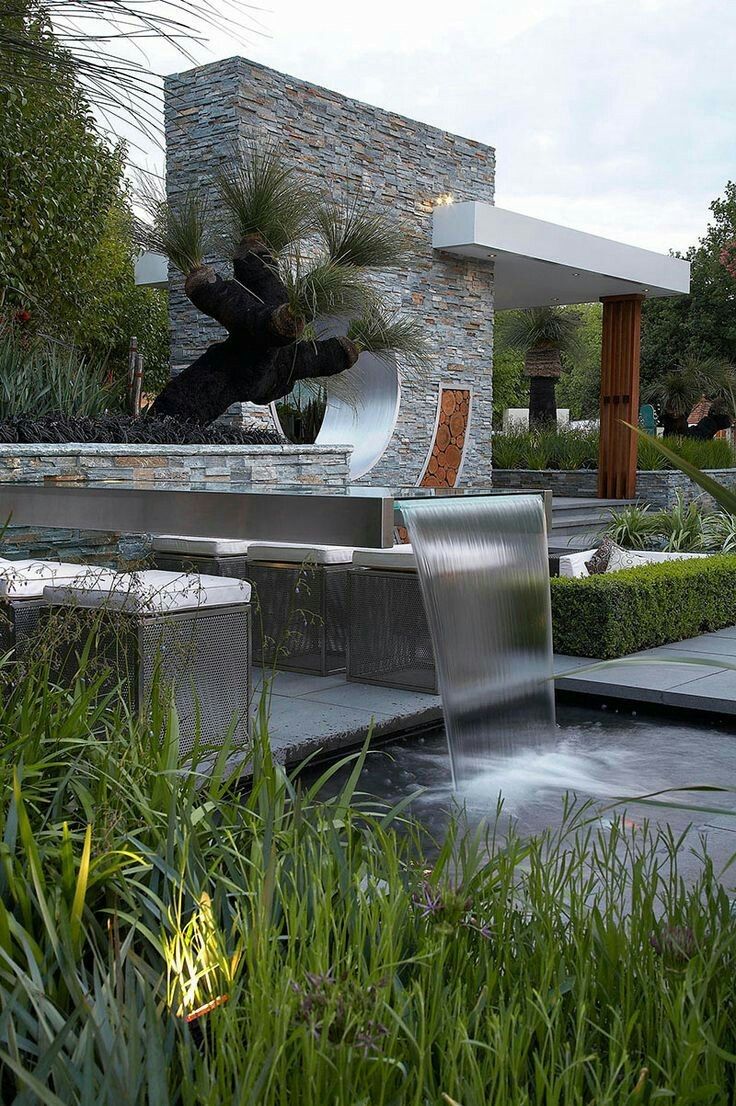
(444, 199)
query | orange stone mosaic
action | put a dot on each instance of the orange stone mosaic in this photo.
(449, 440)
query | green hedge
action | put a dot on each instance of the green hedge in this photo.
(637, 608)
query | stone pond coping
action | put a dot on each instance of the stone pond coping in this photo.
(657, 487)
(251, 464)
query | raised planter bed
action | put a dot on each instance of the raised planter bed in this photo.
(657, 487)
(184, 466)
(181, 464)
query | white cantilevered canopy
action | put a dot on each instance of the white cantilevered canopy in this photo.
(538, 263)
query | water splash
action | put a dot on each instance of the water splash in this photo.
(483, 571)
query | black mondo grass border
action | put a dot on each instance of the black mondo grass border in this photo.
(126, 430)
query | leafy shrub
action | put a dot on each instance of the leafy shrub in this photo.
(633, 527)
(618, 613)
(566, 449)
(46, 378)
(681, 526)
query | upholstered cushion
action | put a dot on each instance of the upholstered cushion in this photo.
(598, 563)
(399, 557)
(200, 547)
(153, 592)
(294, 553)
(625, 558)
(574, 564)
(27, 579)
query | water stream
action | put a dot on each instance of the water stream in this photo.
(484, 576)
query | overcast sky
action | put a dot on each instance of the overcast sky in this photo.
(614, 116)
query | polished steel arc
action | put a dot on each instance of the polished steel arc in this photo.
(483, 571)
(362, 411)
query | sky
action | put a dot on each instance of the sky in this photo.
(617, 117)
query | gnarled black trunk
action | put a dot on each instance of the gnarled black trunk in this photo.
(262, 357)
(542, 402)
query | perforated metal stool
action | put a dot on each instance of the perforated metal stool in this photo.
(300, 594)
(388, 636)
(169, 633)
(213, 556)
(22, 585)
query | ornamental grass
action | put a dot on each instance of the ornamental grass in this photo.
(207, 935)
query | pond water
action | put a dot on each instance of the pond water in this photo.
(597, 755)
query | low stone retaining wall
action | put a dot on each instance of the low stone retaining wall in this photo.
(185, 464)
(658, 487)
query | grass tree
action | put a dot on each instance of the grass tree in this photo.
(678, 389)
(298, 259)
(543, 335)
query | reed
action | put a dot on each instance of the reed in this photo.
(323, 954)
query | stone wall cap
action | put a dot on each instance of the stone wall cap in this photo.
(122, 449)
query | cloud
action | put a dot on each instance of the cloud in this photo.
(615, 116)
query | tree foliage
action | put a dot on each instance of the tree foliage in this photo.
(702, 324)
(66, 247)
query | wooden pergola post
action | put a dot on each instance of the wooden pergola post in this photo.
(619, 395)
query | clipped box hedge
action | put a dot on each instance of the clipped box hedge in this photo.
(638, 608)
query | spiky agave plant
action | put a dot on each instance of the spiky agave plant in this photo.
(297, 260)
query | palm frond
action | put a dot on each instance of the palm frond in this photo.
(360, 237)
(390, 334)
(176, 230)
(264, 197)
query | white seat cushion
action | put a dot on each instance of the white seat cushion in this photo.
(27, 579)
(153, 592)
(574, 564)
(200, 547)
(294, 553)
(398, 557)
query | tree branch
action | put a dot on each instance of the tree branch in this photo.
(255, 266)
(310, 359)
(239, 311)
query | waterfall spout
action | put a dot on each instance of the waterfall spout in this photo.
(483, 572)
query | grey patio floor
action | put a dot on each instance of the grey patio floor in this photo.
(309, 713)
(315, 713)
(692, 674)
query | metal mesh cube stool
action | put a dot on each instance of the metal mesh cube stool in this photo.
(174, 634)
(388, 635)
(213, 556)
(22, 586)
(300, 594)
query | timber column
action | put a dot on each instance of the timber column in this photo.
(619, 396)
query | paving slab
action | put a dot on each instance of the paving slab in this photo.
(309, 714)
(696, 674)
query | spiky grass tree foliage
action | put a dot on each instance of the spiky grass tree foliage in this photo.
(543, 334)
(678, 389)
(296, 259)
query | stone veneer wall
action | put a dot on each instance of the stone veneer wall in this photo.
(185, 464)
(342, 145)
(659, 488)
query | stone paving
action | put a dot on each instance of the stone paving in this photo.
(311, 713)
(308, 713)
(696, 674)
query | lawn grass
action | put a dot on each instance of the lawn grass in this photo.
(573, 968)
